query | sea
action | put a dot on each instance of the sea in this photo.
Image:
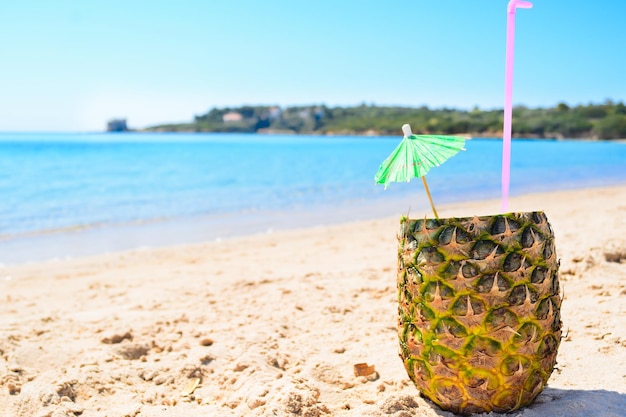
(65, 195)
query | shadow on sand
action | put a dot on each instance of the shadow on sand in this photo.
(555, 402)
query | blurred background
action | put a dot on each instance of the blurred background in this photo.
(71, 65)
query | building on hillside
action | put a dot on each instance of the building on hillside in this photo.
(232, 116)
(117, 125)
(275, 113)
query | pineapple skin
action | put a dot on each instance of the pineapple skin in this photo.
(479, 309)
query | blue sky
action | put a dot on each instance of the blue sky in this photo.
(72, 65)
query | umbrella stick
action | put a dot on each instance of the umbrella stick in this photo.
(430, 197)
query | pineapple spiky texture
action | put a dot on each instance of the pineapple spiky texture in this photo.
(479, 309)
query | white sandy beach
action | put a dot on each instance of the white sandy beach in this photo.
(273, 324)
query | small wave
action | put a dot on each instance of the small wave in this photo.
(78, 228)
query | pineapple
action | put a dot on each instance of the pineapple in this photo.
(479, 320)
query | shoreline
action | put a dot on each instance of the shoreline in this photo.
(157, 215)
(81, 241)
(469, 136)
(273, 324)
(372, 134)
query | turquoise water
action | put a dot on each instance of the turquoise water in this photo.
(117, 191)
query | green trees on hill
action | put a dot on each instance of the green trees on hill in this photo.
(600, 121)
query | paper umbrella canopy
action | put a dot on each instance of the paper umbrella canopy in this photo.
(416, 155)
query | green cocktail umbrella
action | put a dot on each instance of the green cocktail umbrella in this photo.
(415, 156)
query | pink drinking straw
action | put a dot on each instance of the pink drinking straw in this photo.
(508, 98)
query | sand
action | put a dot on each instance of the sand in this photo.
(273, 324)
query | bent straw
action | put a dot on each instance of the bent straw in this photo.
(508, 98)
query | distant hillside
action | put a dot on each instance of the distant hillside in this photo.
(596, 121)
